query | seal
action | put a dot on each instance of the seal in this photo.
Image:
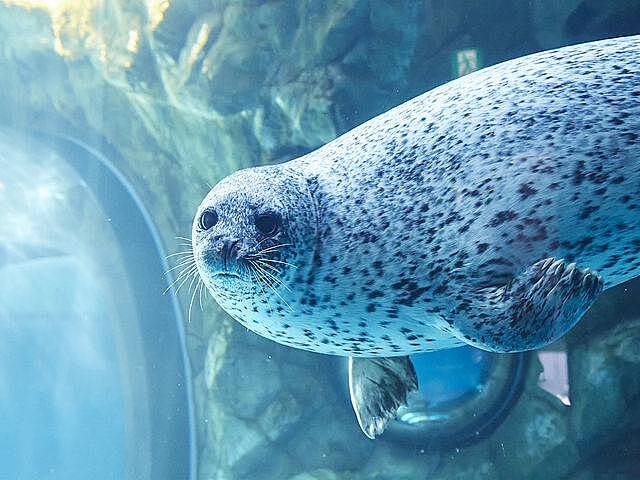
(491, 211)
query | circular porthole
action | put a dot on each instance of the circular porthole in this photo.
(464, 394)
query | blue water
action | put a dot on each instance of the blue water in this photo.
(450, 375)
(83, 386)
(61, 401)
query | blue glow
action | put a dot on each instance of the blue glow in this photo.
(58, 364)
(450, 375)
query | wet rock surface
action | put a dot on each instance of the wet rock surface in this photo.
(186, 92)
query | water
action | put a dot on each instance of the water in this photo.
(117, 118)
(80, 352)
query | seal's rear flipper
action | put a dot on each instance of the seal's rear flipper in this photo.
(378, 386)
(534, 309)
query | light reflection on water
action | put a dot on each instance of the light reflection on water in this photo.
(61, 398)
(61, 394)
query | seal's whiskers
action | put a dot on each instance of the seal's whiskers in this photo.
(188, 273)
(273, 279)
(193, 296)
(271, 260)
(261, 282)
(271, 276)
(271, 249)
(263, 264)
(184, 252)
(183, 262)
(264, 281)
(182, 273)
(261, 241)
(201, 285)
(185, 275)
(193, 279)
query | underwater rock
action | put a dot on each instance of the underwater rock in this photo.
(283, 391)
(575, 21)
(540, 447)
(318, 475)
(283, 413)
(302, 111)
(477, 471)
(606, 385)
(337, 444)
(240, 439)
(240, 383)
(628, 348)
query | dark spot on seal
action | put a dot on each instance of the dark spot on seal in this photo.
(482, 247)
(526, 190)
(502, 217)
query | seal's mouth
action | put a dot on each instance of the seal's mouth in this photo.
(226, 273)
(227, 279)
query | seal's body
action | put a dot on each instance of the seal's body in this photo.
(490, 211)
(467, 186)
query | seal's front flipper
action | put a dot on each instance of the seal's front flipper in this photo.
(532, 310)
(378, 386)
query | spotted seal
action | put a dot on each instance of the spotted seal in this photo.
(491, 211)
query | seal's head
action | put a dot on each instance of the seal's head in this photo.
(249, 235)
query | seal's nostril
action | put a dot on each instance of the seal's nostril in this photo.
(229, 249)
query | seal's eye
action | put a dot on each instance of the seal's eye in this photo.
(267, 223)
(208, 219)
